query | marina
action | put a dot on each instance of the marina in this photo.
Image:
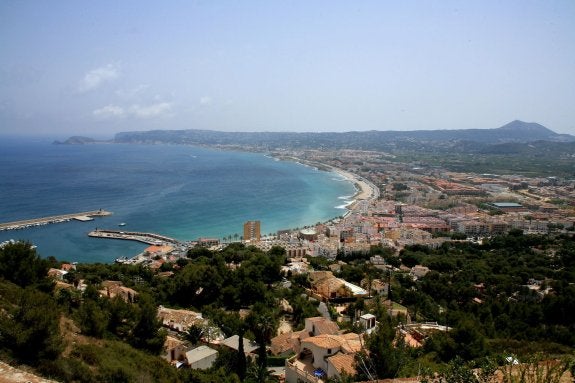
(83, 217)
(149, 238)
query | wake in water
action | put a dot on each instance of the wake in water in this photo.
(347, 202)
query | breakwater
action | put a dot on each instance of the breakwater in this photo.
(83, 216)
(149, 238)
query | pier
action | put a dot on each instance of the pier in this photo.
(83, 216)
(149, 238)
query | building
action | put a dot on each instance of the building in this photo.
(112, 289)
(179, 320)
(419, 271)
(368, 322)
(326, 286)
(208, 242)
(233, 342)
(324, 356)
(201, 358)
(308, 234)
(174, 350)
(252, 231)
(507, 207)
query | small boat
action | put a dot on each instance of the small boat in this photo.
(122, 224)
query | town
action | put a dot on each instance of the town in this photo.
(362, 297)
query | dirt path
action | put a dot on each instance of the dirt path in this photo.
(9, 374)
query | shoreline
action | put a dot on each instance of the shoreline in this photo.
(362, 191)
(365, 190)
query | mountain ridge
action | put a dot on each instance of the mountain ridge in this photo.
(513, 132)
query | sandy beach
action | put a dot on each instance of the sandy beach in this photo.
(365, 190)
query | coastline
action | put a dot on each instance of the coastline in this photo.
(365, 190)
(94, 251)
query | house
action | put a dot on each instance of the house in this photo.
(288, 343)
(327, 287)
(282, 345)
(158, 250)
(340, 364)
(233, 342)
(319, 325)
(201, 358)
(368, 322)
(419, 271)
(113, 289)
(378, 262)
(329, 355)
(394, 309)
(378, 287)
(56, 274)
(68, 267)
(174, 350)
(179, 320)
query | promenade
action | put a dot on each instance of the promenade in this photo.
(83, 216)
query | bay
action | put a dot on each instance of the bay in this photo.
(183, 192)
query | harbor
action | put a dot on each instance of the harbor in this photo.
(160, 245)
(148, 238)
(82, 216)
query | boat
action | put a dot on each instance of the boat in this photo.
(122, 224)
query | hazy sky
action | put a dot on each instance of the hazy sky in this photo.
(100, 67)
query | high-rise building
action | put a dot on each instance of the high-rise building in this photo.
(252, 231)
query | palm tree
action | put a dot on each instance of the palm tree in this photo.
(194, 333)
(264, 326)
(236, 235)
(258, 373)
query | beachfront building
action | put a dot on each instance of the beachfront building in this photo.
(252, 231)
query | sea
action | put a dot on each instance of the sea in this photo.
(184, 192)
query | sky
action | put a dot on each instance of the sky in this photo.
(96, 68)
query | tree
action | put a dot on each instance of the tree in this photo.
(469, 342)
(199, 251)
(121, 317)
(194, 333)
(148, 334)
(384, 358)
(92, 319)
(459, 372)
(32, 330)
(20, 264)
(241, 359)
(262, 323)
(258, 373)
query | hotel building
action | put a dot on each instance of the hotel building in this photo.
(252, 231)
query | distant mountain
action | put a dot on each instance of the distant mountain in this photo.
(514, 132)
(518, 130)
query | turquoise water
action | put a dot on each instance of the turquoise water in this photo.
(179, 191)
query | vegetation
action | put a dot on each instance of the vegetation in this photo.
(481, 291)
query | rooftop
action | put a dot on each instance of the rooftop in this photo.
(199, 353)
(506, 204)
